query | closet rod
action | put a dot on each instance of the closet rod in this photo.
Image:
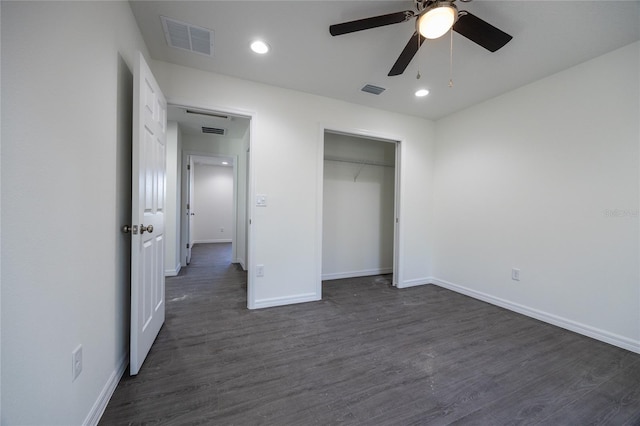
(363, 162)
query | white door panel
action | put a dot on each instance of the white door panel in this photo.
(148, 194)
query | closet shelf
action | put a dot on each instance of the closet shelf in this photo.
(355, 161)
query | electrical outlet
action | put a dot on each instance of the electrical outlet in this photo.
(76, 362)
(221, 229)
(259, 270)
(515, 274)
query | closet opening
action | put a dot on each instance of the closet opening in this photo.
(360, 199)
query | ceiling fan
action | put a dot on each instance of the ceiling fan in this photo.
(433, 20)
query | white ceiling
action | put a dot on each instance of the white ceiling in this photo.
(548, 36)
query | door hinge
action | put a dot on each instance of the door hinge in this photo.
(187, 245)
(187, 206)
(188, 166)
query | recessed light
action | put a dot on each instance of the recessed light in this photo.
(224, 163)
(260, 47)
(422, 92)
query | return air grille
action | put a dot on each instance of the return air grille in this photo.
(375, 90)
(187, 37)
(214, 130)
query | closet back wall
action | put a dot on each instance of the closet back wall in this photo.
(213, 204)
(358, 207)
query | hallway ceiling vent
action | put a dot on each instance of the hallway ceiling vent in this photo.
(214, 130)
(188, 37)
(375, 90)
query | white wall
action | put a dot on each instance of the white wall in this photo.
(358, 207)
(545, 179)
(174, 188)
(66, 192)
(287, 162)
(213, 201)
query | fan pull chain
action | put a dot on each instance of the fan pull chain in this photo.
(451, 59)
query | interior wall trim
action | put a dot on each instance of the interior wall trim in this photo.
(287, 300)
(583, 329)
(241, 262)
(109, 388)
(415, 282)
(209, 241)
(173, 272)
(353, 274)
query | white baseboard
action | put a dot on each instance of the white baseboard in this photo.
(219, 240)
(288, 300)
(415, 282)
(100, 405)
(352, 274)
(172, 272)
(586, 330)
(241, 263)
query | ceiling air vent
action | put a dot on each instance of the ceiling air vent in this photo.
(188, 37)
(375, 90)
(214, 130)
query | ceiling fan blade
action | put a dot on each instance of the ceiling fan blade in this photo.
(480, 32)
(407, 55)
(373, 22)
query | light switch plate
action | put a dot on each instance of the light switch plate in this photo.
(261, 200)
(76, 362)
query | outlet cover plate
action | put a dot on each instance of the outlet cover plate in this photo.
(515, 274)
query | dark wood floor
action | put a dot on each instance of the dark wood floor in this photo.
(367, 354)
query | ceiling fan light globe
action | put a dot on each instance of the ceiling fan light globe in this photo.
(437, 21)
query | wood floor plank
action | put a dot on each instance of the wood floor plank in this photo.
(615, 402)
(367, 353)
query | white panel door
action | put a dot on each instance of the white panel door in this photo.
(148, 194)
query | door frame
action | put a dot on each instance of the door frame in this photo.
(186, 156)
(251, 115)
(187, 169)
(398, 229)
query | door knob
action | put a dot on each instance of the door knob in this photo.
(133, 229)
(143, 228)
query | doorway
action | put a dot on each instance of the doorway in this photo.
(216, 143)
(211, 201)
(360, 207)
